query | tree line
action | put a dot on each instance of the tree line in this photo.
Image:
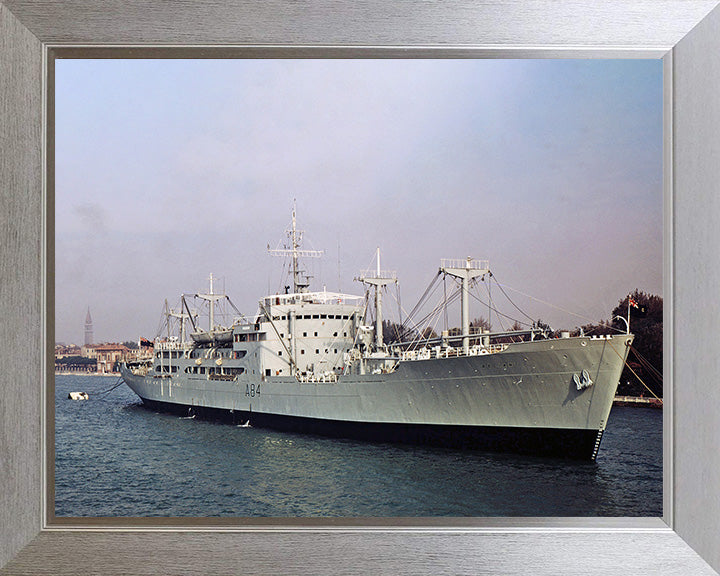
(644, 366)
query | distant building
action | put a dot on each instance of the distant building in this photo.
(96, 358)
(108, 357)
(68, 358)
(65, 350)
(88, 329)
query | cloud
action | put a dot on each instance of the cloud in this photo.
(91, 216)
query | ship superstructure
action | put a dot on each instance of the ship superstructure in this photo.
(309, 361)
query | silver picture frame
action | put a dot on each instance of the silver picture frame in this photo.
(684, 33)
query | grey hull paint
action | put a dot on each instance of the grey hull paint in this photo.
(529, 385)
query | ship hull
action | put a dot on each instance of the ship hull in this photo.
(576, 444)
(524, 399)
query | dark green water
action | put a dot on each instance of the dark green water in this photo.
(115, 458)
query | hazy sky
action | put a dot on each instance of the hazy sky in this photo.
(168, 170)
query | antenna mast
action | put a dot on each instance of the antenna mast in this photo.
(295, 237)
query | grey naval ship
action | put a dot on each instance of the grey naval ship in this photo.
(312, 362)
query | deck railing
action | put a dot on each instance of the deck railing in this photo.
(326, 378)
(465, 263)
(449, 352)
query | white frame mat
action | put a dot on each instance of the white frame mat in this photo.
(684, 33)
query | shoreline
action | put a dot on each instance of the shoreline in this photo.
(637, 402)
(87, 373)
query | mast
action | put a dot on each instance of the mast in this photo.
(295, 246)
(182, 316)
(212, 304)
(211, 297)
(465, 270)
(378, 279)
(293, 249)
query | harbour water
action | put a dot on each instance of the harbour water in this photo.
(113, 457)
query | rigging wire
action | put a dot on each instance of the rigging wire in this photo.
(491, 307)
(426, 295)
(162, 321)
(409, 324)
(635, 373)
(546, 303)
(434, 315)
(439, 307)
(487, 284)
(416, 329)
(498, 311)
(510, 300)
(403, 330)
(645, 363)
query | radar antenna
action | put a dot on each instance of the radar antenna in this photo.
(301, 281)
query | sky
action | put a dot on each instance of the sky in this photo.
(169, 170)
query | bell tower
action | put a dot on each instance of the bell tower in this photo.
(88, 329)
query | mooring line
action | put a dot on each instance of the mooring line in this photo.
(119, 382)
(633, 371)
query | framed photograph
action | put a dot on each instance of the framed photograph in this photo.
(393, 162)
(685, 535)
